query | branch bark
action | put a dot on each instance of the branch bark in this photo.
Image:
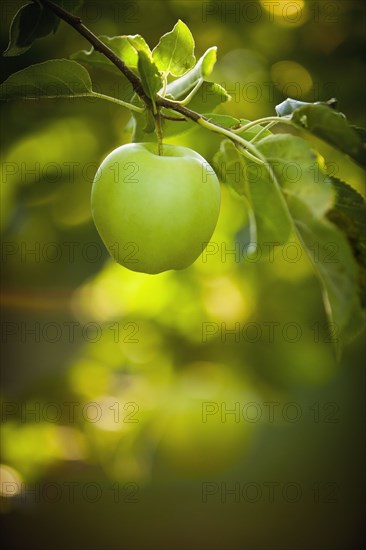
(98, 45)
(75, 22)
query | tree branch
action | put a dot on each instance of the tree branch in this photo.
(176, 118)
(98, 45)
(75, 22)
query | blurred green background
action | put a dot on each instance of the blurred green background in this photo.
(131, 378)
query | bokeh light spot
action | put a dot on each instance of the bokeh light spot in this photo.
(286, 13)
(10, 481)
(291, 78)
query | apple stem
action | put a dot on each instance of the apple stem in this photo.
(159, 133)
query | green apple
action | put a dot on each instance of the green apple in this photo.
(155, 212)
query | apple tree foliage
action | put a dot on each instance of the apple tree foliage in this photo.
(171, 92)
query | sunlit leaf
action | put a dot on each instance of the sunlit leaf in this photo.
(173, 128)
(335, 267)
(332, 127)
(258, 185)
(121, 45)
(203, 68)
(298, 171)
(309, 195)
(349, 214)
(208, 97)
(175, 52)
(149, 73)
(289, 105)
(54, 78)
(139, 43)
(225, 121)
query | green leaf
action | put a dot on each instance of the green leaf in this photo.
(54, 78)
(174, 128)
(349, 215)
(258, 185)
(335, 266)
(31, 22)
(298, 171)
(228, 165)
(175, 52)
(179, 88)
(288, 106)
(208, 97)
(247, 234)
(207, 62)
(149, 73)
(143, 127)
(360, 131)
(225, 121)
(139, 44)
(310, 198)
(337, 164)
(121, 45)
(333, 128)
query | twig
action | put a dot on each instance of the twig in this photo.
(175, 118)
(136, 83)
(98, 45)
